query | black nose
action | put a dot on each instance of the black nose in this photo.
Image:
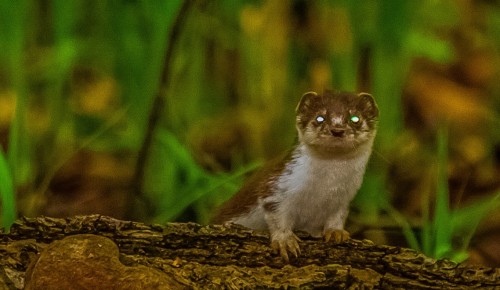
(337, 132)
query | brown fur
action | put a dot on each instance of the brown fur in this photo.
(258, 185)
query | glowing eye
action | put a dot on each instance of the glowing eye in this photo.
(320, 119)
(355, 119)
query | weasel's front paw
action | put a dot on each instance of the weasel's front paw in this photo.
(336, 235)
(284, 243)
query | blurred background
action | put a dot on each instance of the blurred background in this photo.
(158, 110)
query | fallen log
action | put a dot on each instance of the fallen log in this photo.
(85, 252)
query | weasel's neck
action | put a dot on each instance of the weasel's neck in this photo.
(318, 178)
(362, 151)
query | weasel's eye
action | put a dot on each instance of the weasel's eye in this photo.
(355, 119)
(320, 119)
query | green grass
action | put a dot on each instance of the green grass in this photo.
(175, 181)
(437, 236)
(447, 232)
(7, 194)
(41, 47)
(15, 164)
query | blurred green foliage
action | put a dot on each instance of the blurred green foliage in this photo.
(51, 51)
(83, 74)
(445, 232)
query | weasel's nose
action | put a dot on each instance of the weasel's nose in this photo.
(337, 132)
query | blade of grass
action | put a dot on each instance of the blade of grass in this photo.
(410, 236)
(441, 224)
(464, 221)
(426, 238)
(18, 154)
(7, 193)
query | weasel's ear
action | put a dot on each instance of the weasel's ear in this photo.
(307, 100)
(367, 105)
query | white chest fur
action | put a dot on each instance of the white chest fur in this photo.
(312, 191)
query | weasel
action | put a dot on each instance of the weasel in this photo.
(311, 188)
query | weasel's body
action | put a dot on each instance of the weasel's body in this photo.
(312, 187)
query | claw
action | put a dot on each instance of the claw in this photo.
(337, 236)
(288, 244)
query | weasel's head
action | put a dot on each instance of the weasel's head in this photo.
(336, 122)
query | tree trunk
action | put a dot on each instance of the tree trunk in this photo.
(86, 252)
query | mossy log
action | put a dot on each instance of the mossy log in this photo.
(99, 252)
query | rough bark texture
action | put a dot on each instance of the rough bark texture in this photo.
(98, 252)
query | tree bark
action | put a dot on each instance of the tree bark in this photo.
(49, 253)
